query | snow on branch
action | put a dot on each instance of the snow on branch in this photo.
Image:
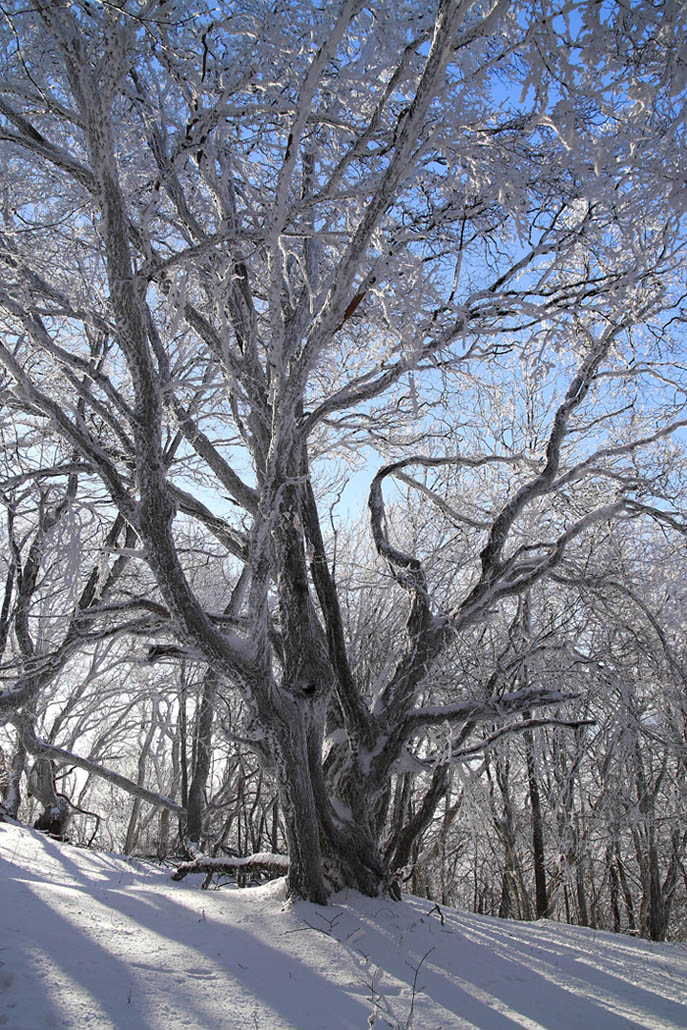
(66, 469)
(591, 464)
(492, 564)
(36, 746)
(243, 494)
(376, 501)
(408, 129)
(488, 708)
(465, 753)
(262, 861)
(516, 575)
(413, 578)
(234, 541)
(70, 429)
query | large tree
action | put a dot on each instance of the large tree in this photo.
(241, 242)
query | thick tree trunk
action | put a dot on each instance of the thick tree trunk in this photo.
(12, 792)
(54, 819)
(301, 822)
(350, 846)
(328, 849)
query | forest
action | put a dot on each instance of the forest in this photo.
(342, 448)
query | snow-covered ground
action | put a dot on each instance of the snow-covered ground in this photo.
(92, 941)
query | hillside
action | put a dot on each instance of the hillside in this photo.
(91, 941)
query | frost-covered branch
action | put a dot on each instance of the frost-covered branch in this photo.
(482, 710)
(36, 746)
(574, 396)
(462, 754)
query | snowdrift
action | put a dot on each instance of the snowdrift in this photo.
(91, 941)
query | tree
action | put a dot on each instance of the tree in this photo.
(609, 795)
(251, 239)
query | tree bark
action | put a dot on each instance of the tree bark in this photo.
(12, 794)
(202, 754)
(132, 828)
(55, 817)
(538, 853)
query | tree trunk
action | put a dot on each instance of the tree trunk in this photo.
(301, 822)
(614, 889)
(656, 909)
(132, 828)
(12, 793)
(653, 909)
(330, 845)
(202, 753)
(56, 813)
(580, 890)
(410, 828)
(627, 893)
(541, 899)
(163, 839)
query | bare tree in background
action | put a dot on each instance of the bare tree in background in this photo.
(252, 239)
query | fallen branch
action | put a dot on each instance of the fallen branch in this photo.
(263, 861)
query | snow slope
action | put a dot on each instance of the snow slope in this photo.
(92, 941)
